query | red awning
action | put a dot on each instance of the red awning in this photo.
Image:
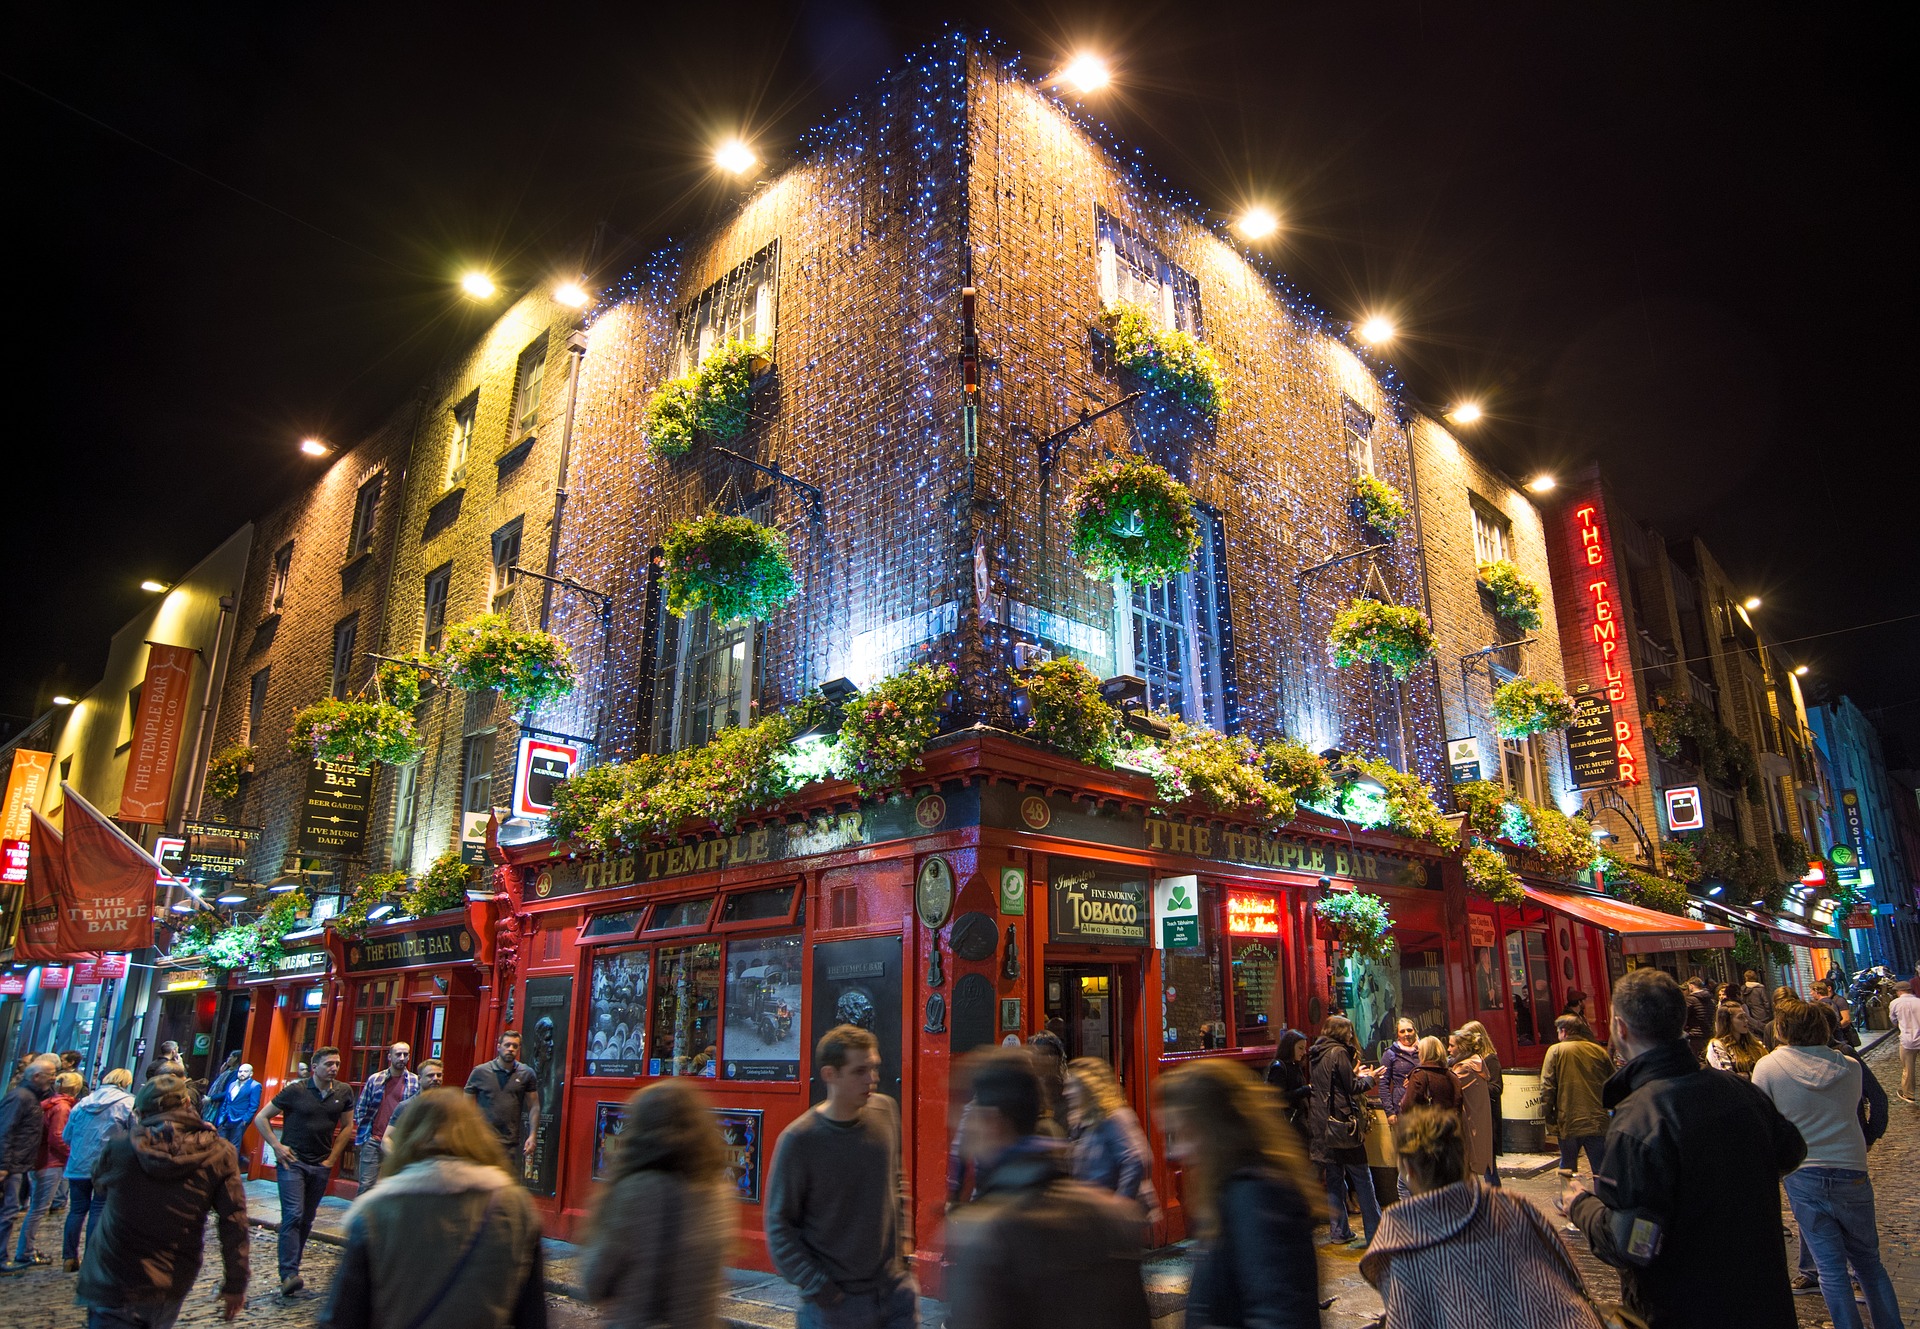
(1640, 930)
(1780, 929)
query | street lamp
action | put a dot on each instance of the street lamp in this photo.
(1542, 484)
(735, 157)
(313, 447)
(571, 294)
(61, 699)
(1088, 73)
(1376, 330)
(152, 587)
(1465, 413)
(477, 284)
(1257, 223)
(1751, 602)
(1800, 671)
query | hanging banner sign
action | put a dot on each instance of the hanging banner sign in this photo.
(45, 897)
(13, 861)
(1850, 814)
(110, 883)
(26, 780)
(1463, 759)
(473, 837)
(1176, 912)
(1592, 748)
(157, 730)
(13, 985)
(1684, 809)
(333, 815)
(217, 850)
(54, 977)
(541, 767)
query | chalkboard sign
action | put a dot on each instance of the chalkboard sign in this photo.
(1592, 749)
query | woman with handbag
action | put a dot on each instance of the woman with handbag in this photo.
(448, 1239)
(1476, 1101)
(1337, 1124)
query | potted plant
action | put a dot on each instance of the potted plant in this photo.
(1374, 632)
(1132, 519)
(736, 567)
(527, 668)
(1166, 359)
(356, 732)
(715, 398)
(1490, 875)
(1523, 707)
(1358, 921)
(1514, 597)
(1379, 506)
(227, 769)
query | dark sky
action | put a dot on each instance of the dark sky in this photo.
(1676, 238)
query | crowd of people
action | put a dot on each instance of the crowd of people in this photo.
(1691, 1118)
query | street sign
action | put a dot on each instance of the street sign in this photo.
(1463, 759)
(541, 767)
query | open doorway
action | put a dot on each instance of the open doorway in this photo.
(1083, 1008)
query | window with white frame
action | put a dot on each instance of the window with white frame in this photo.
(709, 670)
(406, 809)
(366, 508)
(738, 307)
(460, 446)
(1492, 539)
(1520, 768)
(1173, 635)
(434, 633)
(344, 633)
(531, 374)
(506, 555)
(281, 579)
(1356, 422)
(1133, 272)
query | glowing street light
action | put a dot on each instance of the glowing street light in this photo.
(1465, 413)
(477, 284)
(571, 294)
(61, 699)
(735, 157)
(313, 447)
(1542, 484)
(1751, 602)
(1257, 223)
(1800, 671)
(1376, 330)
(1088, 73)
(152, 587)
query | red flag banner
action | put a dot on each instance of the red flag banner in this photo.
(45, 897)
(157, 730)
(25, 780)
(110, 881)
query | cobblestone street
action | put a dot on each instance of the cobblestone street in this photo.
(44, 1299)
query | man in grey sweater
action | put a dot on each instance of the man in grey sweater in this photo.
(836, 1211)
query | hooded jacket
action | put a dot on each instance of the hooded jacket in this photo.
(93, 1120)
(1818, 1090)
(1469, 1255)
(406, 1241)
(659, 1249)
(22, 1124)
(157, 1183)
(1035, 1248)
(53, 1142)
(1337, 1093)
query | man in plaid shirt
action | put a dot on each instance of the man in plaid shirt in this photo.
(381, 1097)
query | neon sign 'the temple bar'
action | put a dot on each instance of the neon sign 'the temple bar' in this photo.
(1606, 635)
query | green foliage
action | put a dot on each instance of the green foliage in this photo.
(226, 769)
(1131, 519)
(1068, 713)
(1562, 844)
(1634, 884)
(736, 567)
(1408, 803)
(1373, 632)
(714, 399)
(1523, 707)
(1167, 359)
(1681, 863)
(1491, 876)
(398, 681)
(1514, 597)
(527, 668)
(1298, 769)
(1359, 920)
(358, 732)
(1485, 804)
(193, 937)
(253, 945)
(369, 893)
(1225, 772)
(1751, 951)
(1726, 758)
(1385, 508)
(1793, 853)
(443, 887)
(584, 805)
(885, 730)
(1748, 873)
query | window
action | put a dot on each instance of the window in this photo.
(1520, 768)
(617, 1013)
(686, 1010)
(708, 667)
(776, 902)
(1530, 982)
(532, 371)
(1193, 1004)
(406, 809)
(1171, 634)
(478, 765)
(1356, 422)
(1132, 272)
(133, 711)
(1491, 542)
(762, 1036)
(66, 769)
(506, 554)
(376, 1016)
(436, 607)
(343, 634)
(680, 914)
(366, 506)
(738, 307)
(460, 447)
(282, 574)
(256, 705)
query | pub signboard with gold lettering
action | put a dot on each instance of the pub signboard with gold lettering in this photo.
(413, 948)
(333, 815)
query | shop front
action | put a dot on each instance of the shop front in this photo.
(1810, 954)
(418, 982)
(284, 1004)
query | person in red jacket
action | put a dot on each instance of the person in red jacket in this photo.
(48, 1166)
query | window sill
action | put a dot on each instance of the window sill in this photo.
(354, 561)
(267, 620)
(516, 454)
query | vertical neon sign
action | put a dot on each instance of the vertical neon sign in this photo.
(1605, 631)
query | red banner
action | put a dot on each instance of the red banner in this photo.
(54, 976)
(110, 882)
(45, 897)
(25, 781)
(164, 705)
(13, 985)
(13, 862)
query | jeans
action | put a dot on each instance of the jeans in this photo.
(897, 1307)
(15, 1188)
(152, 1315)
(302, 1186)
(1570, 1147)
(234, 1133)
(81, 1212)
(1341, 1177)
(45, 1182)
(1834, 1208)
(370, 1155)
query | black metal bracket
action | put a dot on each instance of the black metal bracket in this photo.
(1049, 447)
(1607, 798)
(601, 600)
(555, 733)
(778, 476)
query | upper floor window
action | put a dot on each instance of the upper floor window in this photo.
(532, 372)
(1356, 422)
(477, 793)
(738, 307)
(1133, 272)
(1520, 768)
(406, 809)
(256, 705)
(434, 634)
(506, 557)
(460, 448)
(708, 672)
(1173, 635)
(344, 633)
(1492, 538)
(282, 575)
(366, 507)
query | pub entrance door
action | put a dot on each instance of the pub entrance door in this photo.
(1085, 1009)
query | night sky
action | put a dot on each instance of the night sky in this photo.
(1674, 238)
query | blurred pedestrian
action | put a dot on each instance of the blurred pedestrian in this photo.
(380, 1097)
(663, 1226)
(1686, 1201)
(1734, 1048)
(448, 1239)
(1431, 1085)
(1476, 1103)
(1396, 1064)
(1699, 1024)
(1110, 1151)
(836, 1202)
(23, 1127)
(1287, 1074)
(1825, 993)
(508, 1094)
(233, 1107)
(70, 1062)
(1462, 1253)
(156, 1185)
(1818, 1089)
(1337, 1124)
(1905, 1012)
(1251, 1196)
(1050, 1064)
(94, 1120)
(1759, 1007)
(1036, 1250)
(52, 1161)
(308, 1146)
(228, 1069)
(1873, 1125)
(1480, 1042)
(1573, 1083)
(432, 1075)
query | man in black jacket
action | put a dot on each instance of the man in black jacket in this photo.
(1699, 1028)
(22, 1128)
(1686, 1201)
(1035, 1248)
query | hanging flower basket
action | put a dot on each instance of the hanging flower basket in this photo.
(1360, 922)
(225, 771)
(443, 887)
(1524, 707)
(1069, 715)
(714, 399)
(1491, 876)
(737, 568)
(399, 680)
(1380, 505)
(1131, 519)
(357, 732)
(1514, 597)
(527, 668)
(1167, 359)
(1373, 632)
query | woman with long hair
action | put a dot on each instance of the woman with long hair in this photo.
(1733, 1047)
(1337, 1128)
(663, 1227)
(1476, 1100)
(1397, 1063)
(1109, 1148)
(448, 1239)
(1287, 1075)
(1250, 1194)
(1430, 1086)
(1482, 1045)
